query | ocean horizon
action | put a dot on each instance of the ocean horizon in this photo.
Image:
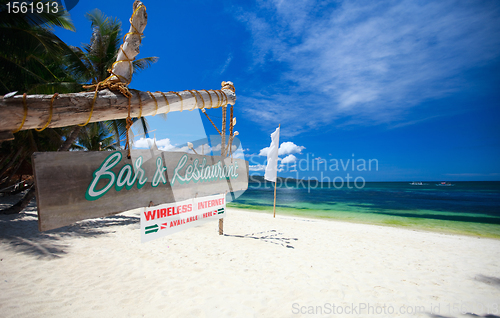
(465, 207)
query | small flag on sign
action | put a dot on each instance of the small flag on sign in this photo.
(151, 229)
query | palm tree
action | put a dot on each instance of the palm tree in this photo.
(30, 61)
(33, 59)
(30, 53)
(91, 64)
(95, 137)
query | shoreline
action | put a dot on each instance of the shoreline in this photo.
(451, 227)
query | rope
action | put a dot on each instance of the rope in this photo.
(156, 103)
(50, 113)
(218, 99)
(129, 124)
(224, 103)
(135, 31)
(196, 101)
(202, 100)
(223, 136)
(92, 106)
(122, 85)
(209, 97)
(204, 112)
(228, 85)
(231, 131)
(24, 115)
(182, 103)
(166, 101)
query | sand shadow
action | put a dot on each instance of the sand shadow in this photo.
(268, 236)
(493, 281)
(20, 232)
(467, 314)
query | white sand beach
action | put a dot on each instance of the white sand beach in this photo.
(262, 267)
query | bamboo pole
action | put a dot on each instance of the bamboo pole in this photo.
(274, 207)
(75, 108)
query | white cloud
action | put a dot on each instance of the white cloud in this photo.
(257, 167)
(203, 149)
(162, 144)
(289, 159)
(263, 152)
(165, 145)
(285, 148)
(365, 62)
(143, 143)
(239, 154)
(226, 64)
(289, 147)
(218, 147)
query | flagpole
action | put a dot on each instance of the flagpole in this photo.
(274, 207)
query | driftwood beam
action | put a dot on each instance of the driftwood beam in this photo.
(73, 109)
(130, 47)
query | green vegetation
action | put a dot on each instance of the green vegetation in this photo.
(34, 60)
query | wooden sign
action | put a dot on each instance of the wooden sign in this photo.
(166, 219)
(74, 186)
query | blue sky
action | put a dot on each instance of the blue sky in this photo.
(413, 85)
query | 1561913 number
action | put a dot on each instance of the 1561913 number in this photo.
(30, 7)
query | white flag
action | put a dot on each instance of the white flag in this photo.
(272, 157)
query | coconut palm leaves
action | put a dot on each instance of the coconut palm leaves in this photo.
(91, 63)
(30, 54)
(95, 137)
(31, 59)
(98, 56)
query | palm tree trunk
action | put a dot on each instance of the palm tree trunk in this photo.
(22, 204)
(5, 159)
(11, 162)
(12, 173)
(71, 139)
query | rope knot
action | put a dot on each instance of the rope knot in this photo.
(130, 122)
(229, 86)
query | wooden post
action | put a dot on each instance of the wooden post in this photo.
(274, 207)
(221, 226)
(222, 153)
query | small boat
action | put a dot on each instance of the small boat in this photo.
(444, 184)
(417, 183)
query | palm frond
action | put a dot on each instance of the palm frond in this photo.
(144, 63)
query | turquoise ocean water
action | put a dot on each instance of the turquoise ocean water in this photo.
(471, 208)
